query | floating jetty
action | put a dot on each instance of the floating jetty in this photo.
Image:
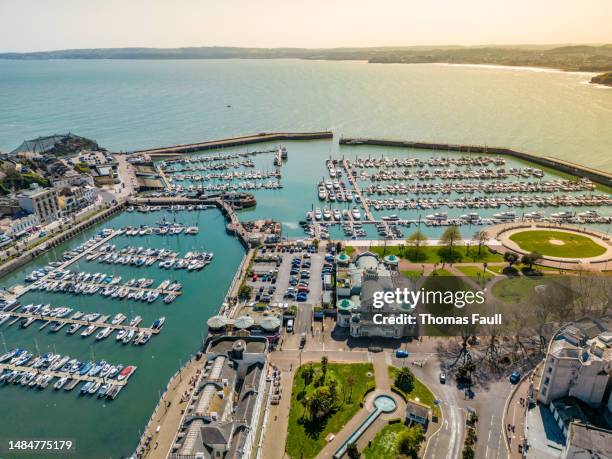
(19, 366)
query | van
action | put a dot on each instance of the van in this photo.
(289, 326)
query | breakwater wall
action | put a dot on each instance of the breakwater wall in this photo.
(596, 175)
(165, 152)
(54, 241)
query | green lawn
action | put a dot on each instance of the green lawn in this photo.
(497, 268)
(413, 274)
(476, 272)
(439, 254)
(304, 438)
(441, 272)
(384, 444)
(349, 250)
(515, 289)
(569, 245)
(420, 392)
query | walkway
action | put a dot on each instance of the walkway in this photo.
(166, 420)
(357, 190)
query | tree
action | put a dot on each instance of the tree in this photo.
(482, 237)
(324, 361)
(350, 380)
(404, 379)
(450, 237)
(468, 452)
(416, 240)
(510, 258)
(320, 403)
(409, 440)
(333, 388)
(308, 373)
(352, 451)
(531, 259)
(464, 372)
(245, 291)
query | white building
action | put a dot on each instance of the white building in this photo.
(16, 227)
(576, 367)
(41, 202)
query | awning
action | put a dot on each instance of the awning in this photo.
(244, 322)
(217, 322)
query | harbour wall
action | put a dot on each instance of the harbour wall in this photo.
(54, 241)
(175, 150)
(596, 175)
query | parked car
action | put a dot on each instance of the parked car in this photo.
(515, 377)
(442, 377)
(401, 354)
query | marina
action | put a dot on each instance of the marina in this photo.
(21, 367)
(156, 361)
(358, 194)
(84, 324)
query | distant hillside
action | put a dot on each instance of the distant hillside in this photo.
(575, 58)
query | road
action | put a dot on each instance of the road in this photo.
(488, 403)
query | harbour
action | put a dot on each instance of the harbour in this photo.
(203, 291)
(184, 326)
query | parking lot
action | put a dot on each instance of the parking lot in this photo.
(289, 279)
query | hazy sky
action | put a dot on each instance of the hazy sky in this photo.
(27, 25)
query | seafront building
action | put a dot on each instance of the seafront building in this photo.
(577, 365)
(220, 420)
(41, 202)
(18, 226)
(575, 386)
(355, 288)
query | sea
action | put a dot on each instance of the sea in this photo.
(128, 105)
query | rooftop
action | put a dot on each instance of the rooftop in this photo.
(593, 439)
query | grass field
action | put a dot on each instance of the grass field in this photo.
(384, 443)
(439, 254)
(476, 273)
(420, 392)
(566, 245)
(304, 438)
(413, 274)
(515, 290)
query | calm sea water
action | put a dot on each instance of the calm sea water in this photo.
(133, 104)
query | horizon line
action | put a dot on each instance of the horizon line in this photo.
(483, 45)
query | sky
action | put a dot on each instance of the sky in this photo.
(40, 25)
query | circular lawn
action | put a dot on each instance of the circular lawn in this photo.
(559, 244)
